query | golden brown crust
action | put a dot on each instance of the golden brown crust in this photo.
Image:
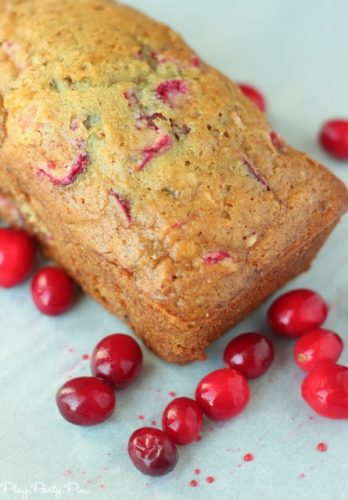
(148, 175)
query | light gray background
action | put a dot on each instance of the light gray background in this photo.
(296, 51)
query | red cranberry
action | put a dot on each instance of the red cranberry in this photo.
(182, 420)
(152, 451)
(296, 312)
(316, 346)
(117, 359)
(334, 138)
(17, 255)
(223, 394)
(325, 389)
(52, 291)
(86, 401)
(254, 95)
(250, 353)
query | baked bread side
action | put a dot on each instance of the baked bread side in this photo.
(148, 175)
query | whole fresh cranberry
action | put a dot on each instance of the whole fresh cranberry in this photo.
(296, 312)
(152, 451)
(250, 353)
(182, 420)
(325, 389)
(316, 346)
(254, 95)
(117, 359)
(334, 138)
(52, 291)
(86, 401)
(17, 256)
(223, 394)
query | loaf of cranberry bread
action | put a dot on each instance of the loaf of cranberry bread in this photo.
(147, 174)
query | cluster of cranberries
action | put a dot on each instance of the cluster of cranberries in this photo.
(224, 393)
(116, 362)
(333, 135)
(220, 395)
(51, 288)
(300, 313)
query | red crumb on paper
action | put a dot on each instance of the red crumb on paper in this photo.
(197, 471)
(68, 472)
(254, 173)
(85, 356)
(169, 90)
(160, 146)
(210, 479)
(199, 438)
(71, 349)
(248, 457)
(153, 422)
(141, 417)
(193, 483)
(302, 475)
(102, 486)
(322, 447)
(172, 394)
(79, 165)
(124, 204)
(214, 257)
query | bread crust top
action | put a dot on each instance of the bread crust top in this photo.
(132, 146)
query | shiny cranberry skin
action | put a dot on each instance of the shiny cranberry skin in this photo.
(296, 312)
(182, 420)
(317, 346)
(117, 359)
(254, 95)
(52, 291)
(325, 389)
(223, 394)
(334, 138)
(86, 401)
(152, 451)
(250, 353)
(17, 255)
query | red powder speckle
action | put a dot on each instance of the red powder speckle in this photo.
(141, 417)
(85, 356)
(248, 457)
(71, 349)
(172, 394)
(199, 438)
(69, 472)
(302, 475)
(311, 417)
(210, 479)
(197, 471)
(102, 486)
(153, 422)
(194, 483)
(322, 447)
